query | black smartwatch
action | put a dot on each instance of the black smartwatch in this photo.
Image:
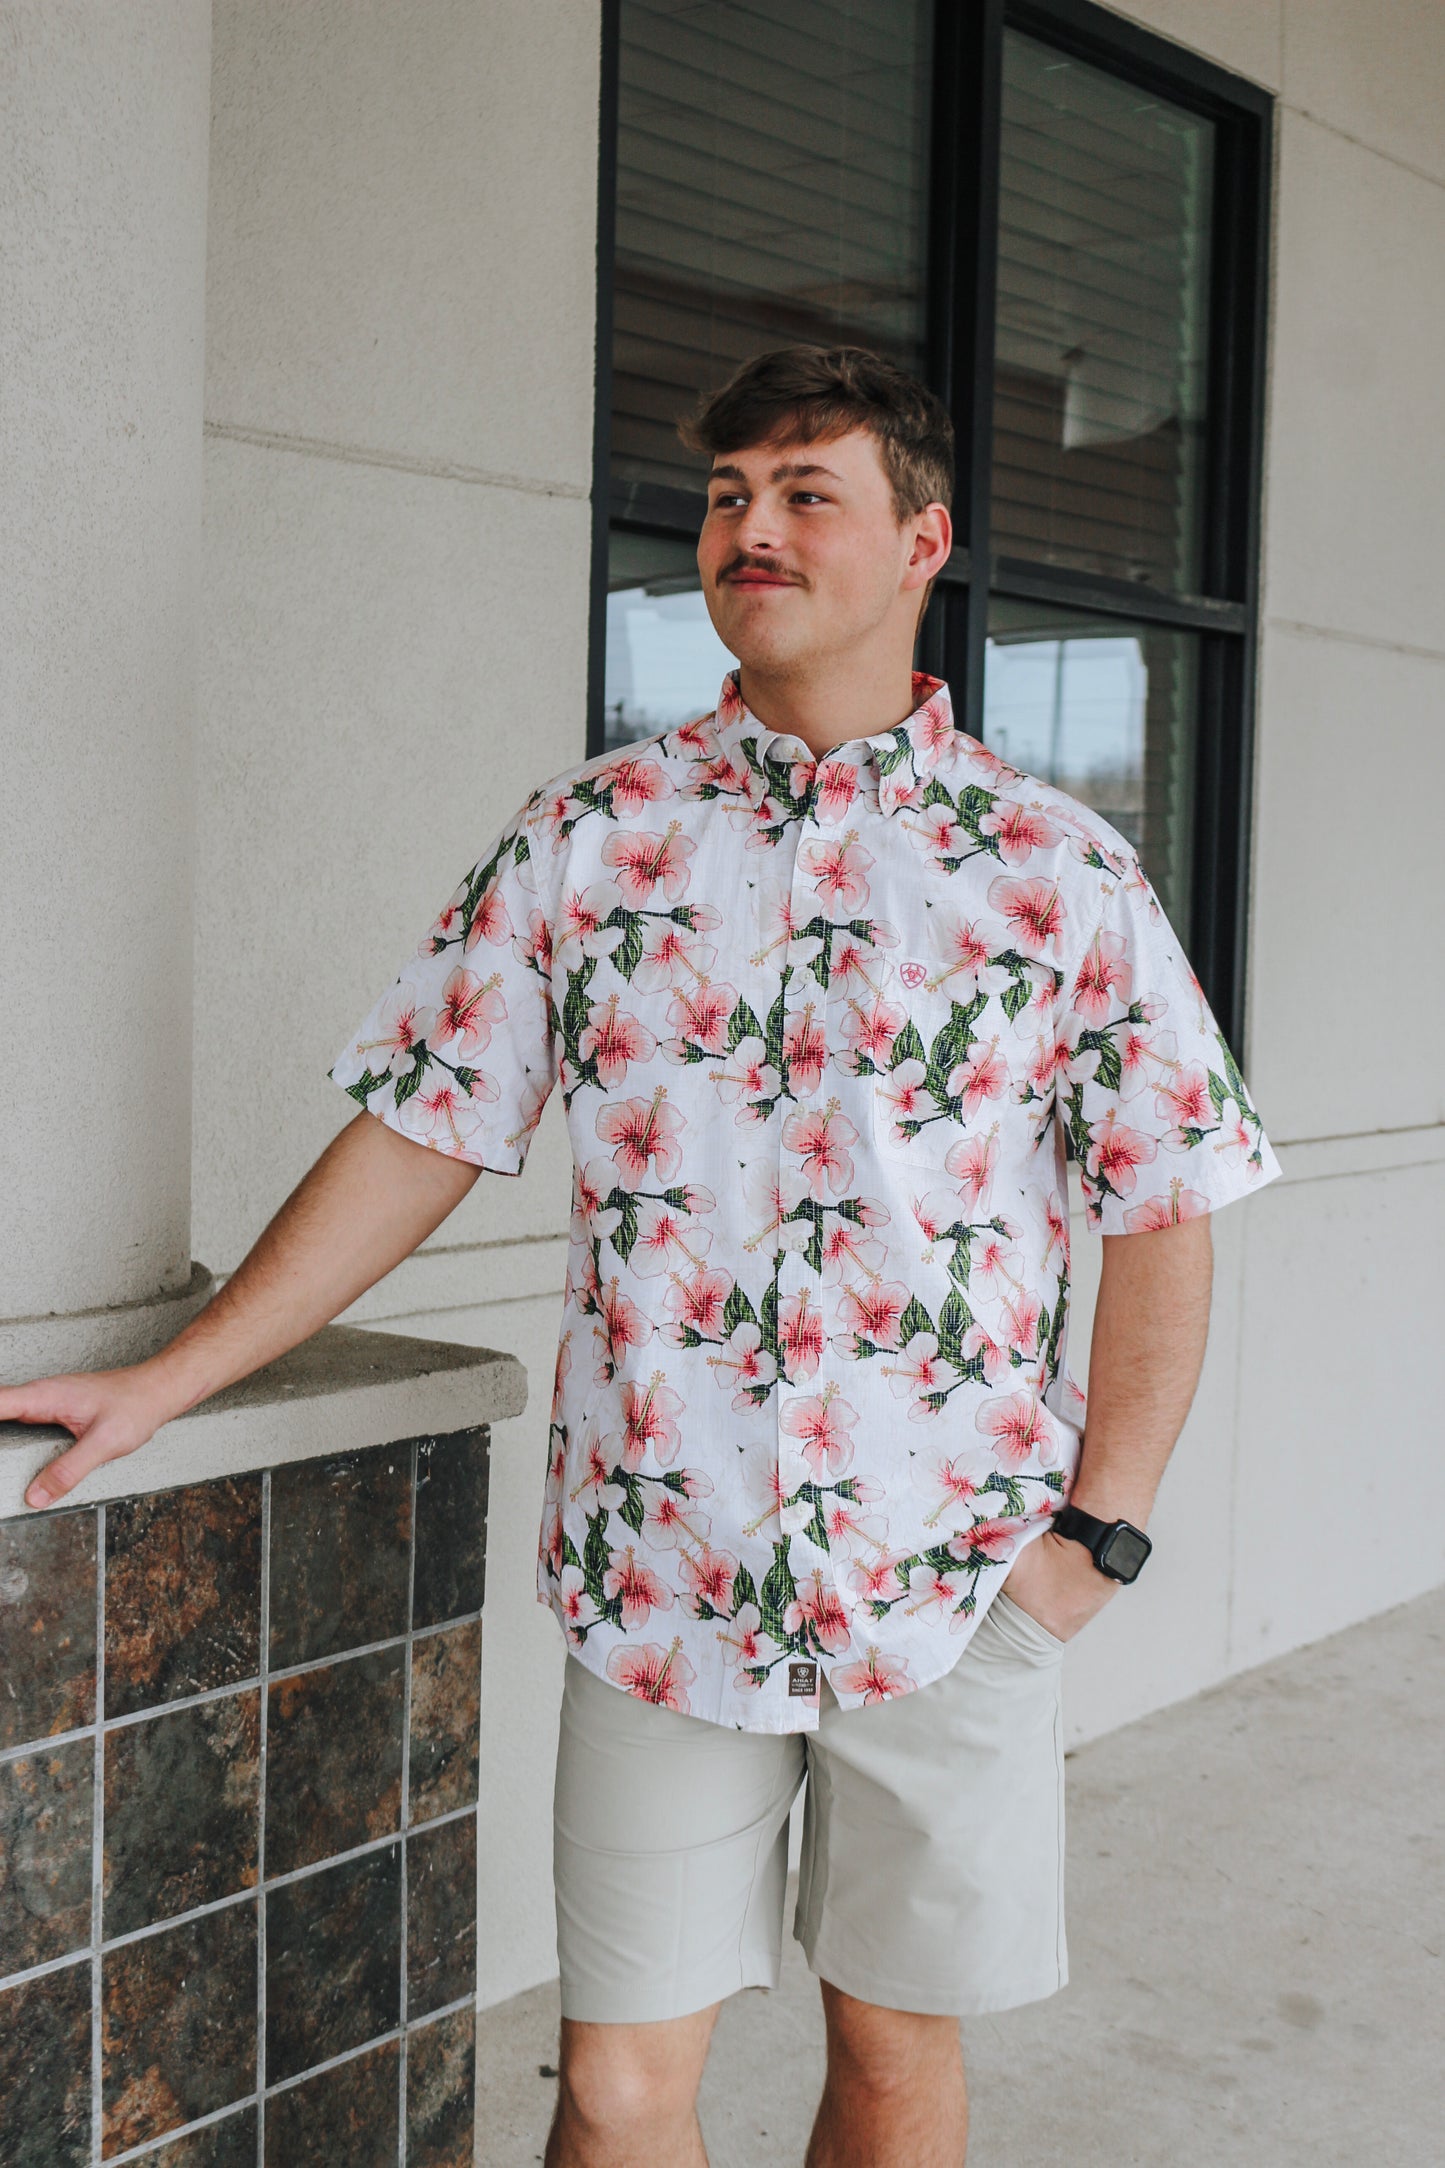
(1118, 1548)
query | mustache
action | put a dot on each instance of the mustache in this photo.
(759, 564)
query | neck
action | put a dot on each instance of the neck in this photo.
(827, 704)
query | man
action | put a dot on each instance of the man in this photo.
(830, 993)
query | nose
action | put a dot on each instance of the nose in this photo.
(762, 530)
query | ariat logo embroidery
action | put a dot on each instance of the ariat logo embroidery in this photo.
(802, 1681)
(913, 974)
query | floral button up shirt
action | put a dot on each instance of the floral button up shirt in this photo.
(825, 1030)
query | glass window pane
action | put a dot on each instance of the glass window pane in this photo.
(1105, 709)
(665, 664)
(771, 170)
(1102, 334)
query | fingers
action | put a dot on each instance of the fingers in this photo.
(60, 1476)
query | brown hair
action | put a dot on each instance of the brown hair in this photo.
(797, 394)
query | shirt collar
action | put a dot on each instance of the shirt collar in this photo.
(900, 761)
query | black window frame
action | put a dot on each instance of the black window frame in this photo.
(963, 203)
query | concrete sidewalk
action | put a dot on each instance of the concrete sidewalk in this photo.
(1256, 1927)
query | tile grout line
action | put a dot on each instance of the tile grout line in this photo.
(264, 1659)
(152, 2148)
(227, 1903)
(404, 1817)
(97, 1841)
(52, 1740)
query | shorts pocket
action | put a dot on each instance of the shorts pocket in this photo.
(1021, 1628)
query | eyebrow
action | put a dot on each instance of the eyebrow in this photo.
(793, 471)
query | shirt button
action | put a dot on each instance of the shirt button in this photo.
(795, 1518)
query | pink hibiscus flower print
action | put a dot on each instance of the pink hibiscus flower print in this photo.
(869, 1027)
(919, 1373)
(574, 1605)
(903, 1097)
(996, 1539)
(1183, 1100)
(877, 1678)
(636, 785)
(594, 1488)
(817, 1612)
(955, 1479)
(873, 1312)
(709, 1576)
(1116, 1154)
(876, 1578)
(822, 1424)
(700, 1015)
(583, 929)
(982, 1074)
(837, 788)
(614, 1040)
(635, 1586)
(650, 1423)
(1021, 1428)
(643, 862)
(1019, 830)
(653, 1673)
(671, 1521)
(1160, 1212)
(805, 1050)
(744, 1363)
(491, 922)
(674, 955)
(821, 1137)
(839, 871)
(743, 1641)
(1235, 1141)
(972, 1162)
(645, 1134)
(1033, 912)
(801, 1335)
(443, 1113)
(1103, 978)
(403, 1026)
(469, 1008)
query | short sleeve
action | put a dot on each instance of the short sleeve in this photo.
(1154, 1107)
(459, 1053)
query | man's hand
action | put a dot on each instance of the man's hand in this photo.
(1150, 1325)
(1056, 1581)
(369, 1200)
(111, 1412)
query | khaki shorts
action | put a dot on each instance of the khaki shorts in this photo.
(932, 1874)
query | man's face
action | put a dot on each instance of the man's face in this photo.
(802, 556)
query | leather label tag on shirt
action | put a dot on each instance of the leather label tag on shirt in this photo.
(802, 1680)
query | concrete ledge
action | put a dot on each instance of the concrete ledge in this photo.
(340, 1390)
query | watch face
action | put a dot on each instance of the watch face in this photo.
(1124, 1552)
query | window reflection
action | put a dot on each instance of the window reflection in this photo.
(665, 664)
(1105, 709)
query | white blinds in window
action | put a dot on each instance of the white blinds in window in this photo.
(770, 190)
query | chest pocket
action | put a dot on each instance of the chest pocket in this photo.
(953, 1074)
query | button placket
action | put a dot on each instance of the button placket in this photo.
(795, 1276)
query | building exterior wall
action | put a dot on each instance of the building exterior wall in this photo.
(399, 400)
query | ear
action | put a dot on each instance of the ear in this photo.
(932, 544)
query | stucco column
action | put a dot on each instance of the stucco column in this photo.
(104, 137)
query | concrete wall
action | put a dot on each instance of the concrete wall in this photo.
(399, 385)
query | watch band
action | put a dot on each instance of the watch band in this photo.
(1113, 1545)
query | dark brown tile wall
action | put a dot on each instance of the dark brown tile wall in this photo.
(333, 1758)
(347, 2115)
(262, 1760)
(47, 1801)
(181, 1821)
(177, 2025)
(182, 1592)
(47, 1625)
(341, 1548)
(441, 2104)
(446, 1690)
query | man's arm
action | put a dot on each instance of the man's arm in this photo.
(369, 1200)
(1150, 1327)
